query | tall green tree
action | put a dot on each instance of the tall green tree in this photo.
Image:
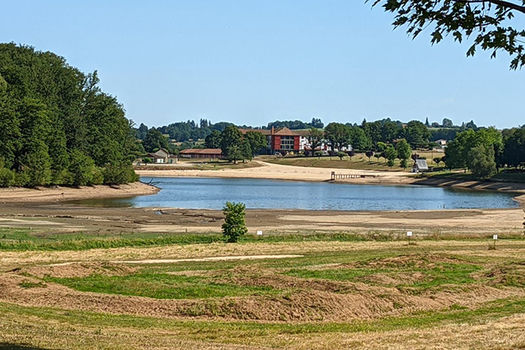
(315, 138)
(404, 152)
(231, 142)
(338, 135)
(257, 141)
(155, 140)
(482, 163)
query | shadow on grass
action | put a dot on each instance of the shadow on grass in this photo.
(9, 346)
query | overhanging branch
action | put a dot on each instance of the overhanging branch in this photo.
(501, 3)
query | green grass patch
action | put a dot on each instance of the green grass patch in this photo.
(160, 286)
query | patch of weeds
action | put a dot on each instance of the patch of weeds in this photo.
(29, 284)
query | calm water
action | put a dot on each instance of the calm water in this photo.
(210, 193)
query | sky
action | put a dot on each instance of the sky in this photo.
(251, 62)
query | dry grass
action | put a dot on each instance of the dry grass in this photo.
(435, 294)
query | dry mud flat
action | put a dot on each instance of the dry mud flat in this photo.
(64, 218)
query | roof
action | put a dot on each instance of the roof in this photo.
(216, 151)
(421, 164)
(279, 132)
(161, 153)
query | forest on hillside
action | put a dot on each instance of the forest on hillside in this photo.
(56, 125)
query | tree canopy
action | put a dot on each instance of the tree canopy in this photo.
(52, 116)
(487, 23)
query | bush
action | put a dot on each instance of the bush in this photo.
(21, 179)
(7, 177)
(234, 224)
(119, 174)
(341, 155)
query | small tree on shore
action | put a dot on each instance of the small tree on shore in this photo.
(391, 155)
(234, 224)
(404, 151)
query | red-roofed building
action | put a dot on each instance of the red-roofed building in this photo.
(208, 153)
(282, 140)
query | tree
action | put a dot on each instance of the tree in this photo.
(315, 138)
(447, 123)
(514, 149)
(417, 134)
(142, 131)
(234, 153)
(391, 155)
(482, 162)
(404, 152)
(214, 139)
(317, 123)
(246, 149)
(234, 224)
(359, 140)
(338, 135)
(155, 140)
(341, 155)
(485, 21)
(257, 142)
(81, 168)
(230, 137)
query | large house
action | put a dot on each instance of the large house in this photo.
(282, 140)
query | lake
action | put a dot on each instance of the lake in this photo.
(212, 193)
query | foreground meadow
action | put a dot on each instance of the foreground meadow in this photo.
(319, 292)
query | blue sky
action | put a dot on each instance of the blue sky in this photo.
(251, 62)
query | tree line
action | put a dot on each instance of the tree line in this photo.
(57, 126)
(487, 150)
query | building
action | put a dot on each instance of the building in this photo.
(208, 153)
(420, 165)
(282, 140)
(441, 144)
(162, 156)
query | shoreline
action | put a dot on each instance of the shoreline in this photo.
(63, 193)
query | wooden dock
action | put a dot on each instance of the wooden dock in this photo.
(336, 176)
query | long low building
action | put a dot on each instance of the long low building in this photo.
(208, 153)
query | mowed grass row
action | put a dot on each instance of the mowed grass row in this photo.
(27, 240)
(54, 327)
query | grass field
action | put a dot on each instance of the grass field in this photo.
(359, 162)
(336, 292)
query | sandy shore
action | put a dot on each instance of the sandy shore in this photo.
(283, 172)
(56, 194)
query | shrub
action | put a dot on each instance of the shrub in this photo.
(115, 174)
(234, 224)
(341, 155)
(7, 177)
(21, 179)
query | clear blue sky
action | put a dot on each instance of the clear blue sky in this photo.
(251, 62)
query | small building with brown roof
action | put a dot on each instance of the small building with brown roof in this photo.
(208, 153)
